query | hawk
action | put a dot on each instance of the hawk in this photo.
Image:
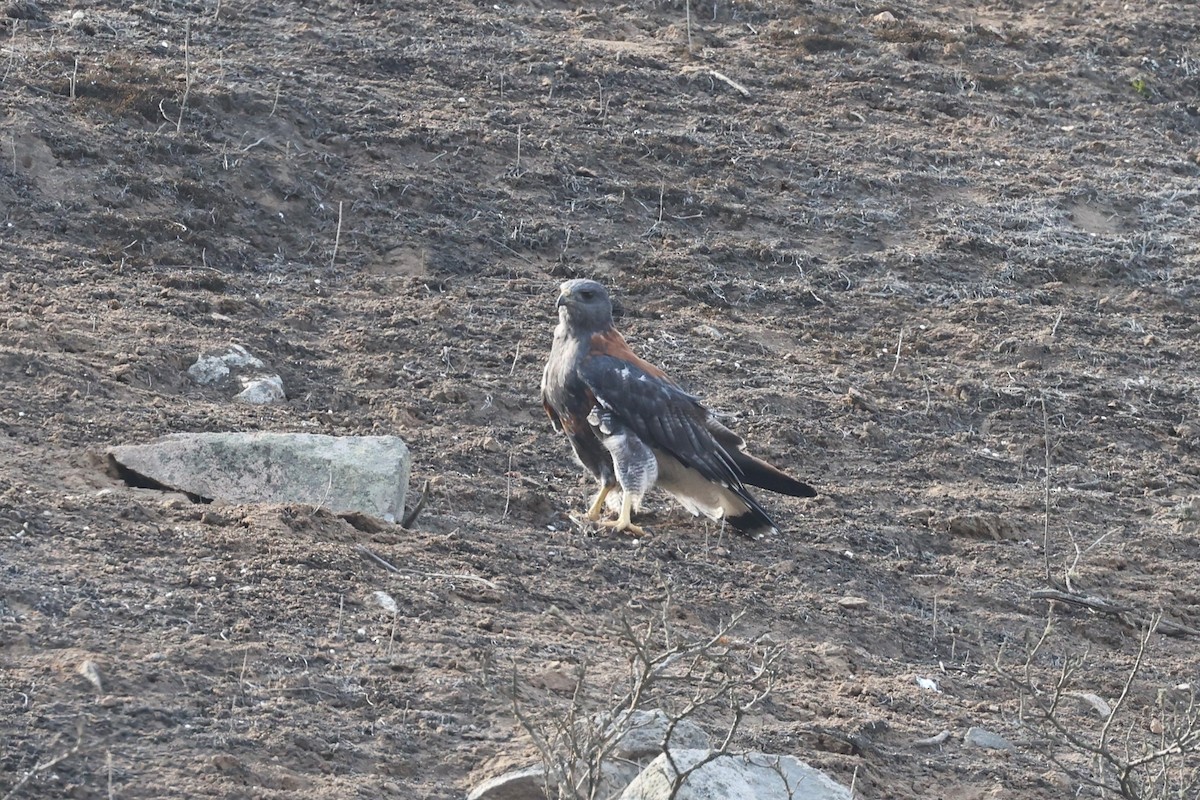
(632, 426)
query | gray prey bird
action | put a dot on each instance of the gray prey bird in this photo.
(632, 426)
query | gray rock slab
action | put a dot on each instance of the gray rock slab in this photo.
(638, 738)
(750, 775)
(530, 783)
(642, 734)
(340, 473)
(520, 784)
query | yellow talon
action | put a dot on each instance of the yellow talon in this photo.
(598, 505)
(623, 523)
(629, 527)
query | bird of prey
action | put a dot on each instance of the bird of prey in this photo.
(632, 426)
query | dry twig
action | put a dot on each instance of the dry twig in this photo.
(42, 766)
(730, 82)
(390, 567)
(187, 73)
(409, 518)
(337, 237)
(1046, 491)
(933, 741)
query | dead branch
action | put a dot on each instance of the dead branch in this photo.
(1126, 614)
(187, 74)
(933, 741)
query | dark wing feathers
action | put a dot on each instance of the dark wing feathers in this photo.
(668, 418)
(568, 405)
(660, 414)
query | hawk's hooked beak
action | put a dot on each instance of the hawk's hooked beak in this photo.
(563, 299)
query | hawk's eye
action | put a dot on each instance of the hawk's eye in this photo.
(588, 294)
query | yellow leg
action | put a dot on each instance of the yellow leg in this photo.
(623, 522)
(598, 505)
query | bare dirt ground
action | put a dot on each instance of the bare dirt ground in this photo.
(910, 250)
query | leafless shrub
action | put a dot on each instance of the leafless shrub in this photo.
(1144, 745)
(718, 678)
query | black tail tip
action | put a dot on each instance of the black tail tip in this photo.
(754, 524)
(803, 489)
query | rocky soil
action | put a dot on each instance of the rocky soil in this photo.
(938, 259)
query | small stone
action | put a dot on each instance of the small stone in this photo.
(558, 677)
(261, 390)
(385, 601)
(884, 18)
(216, 366)
(933, 741)
(982, 737)
(1098, 703)
(853, 603)
(91, 673)
(530, 783)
